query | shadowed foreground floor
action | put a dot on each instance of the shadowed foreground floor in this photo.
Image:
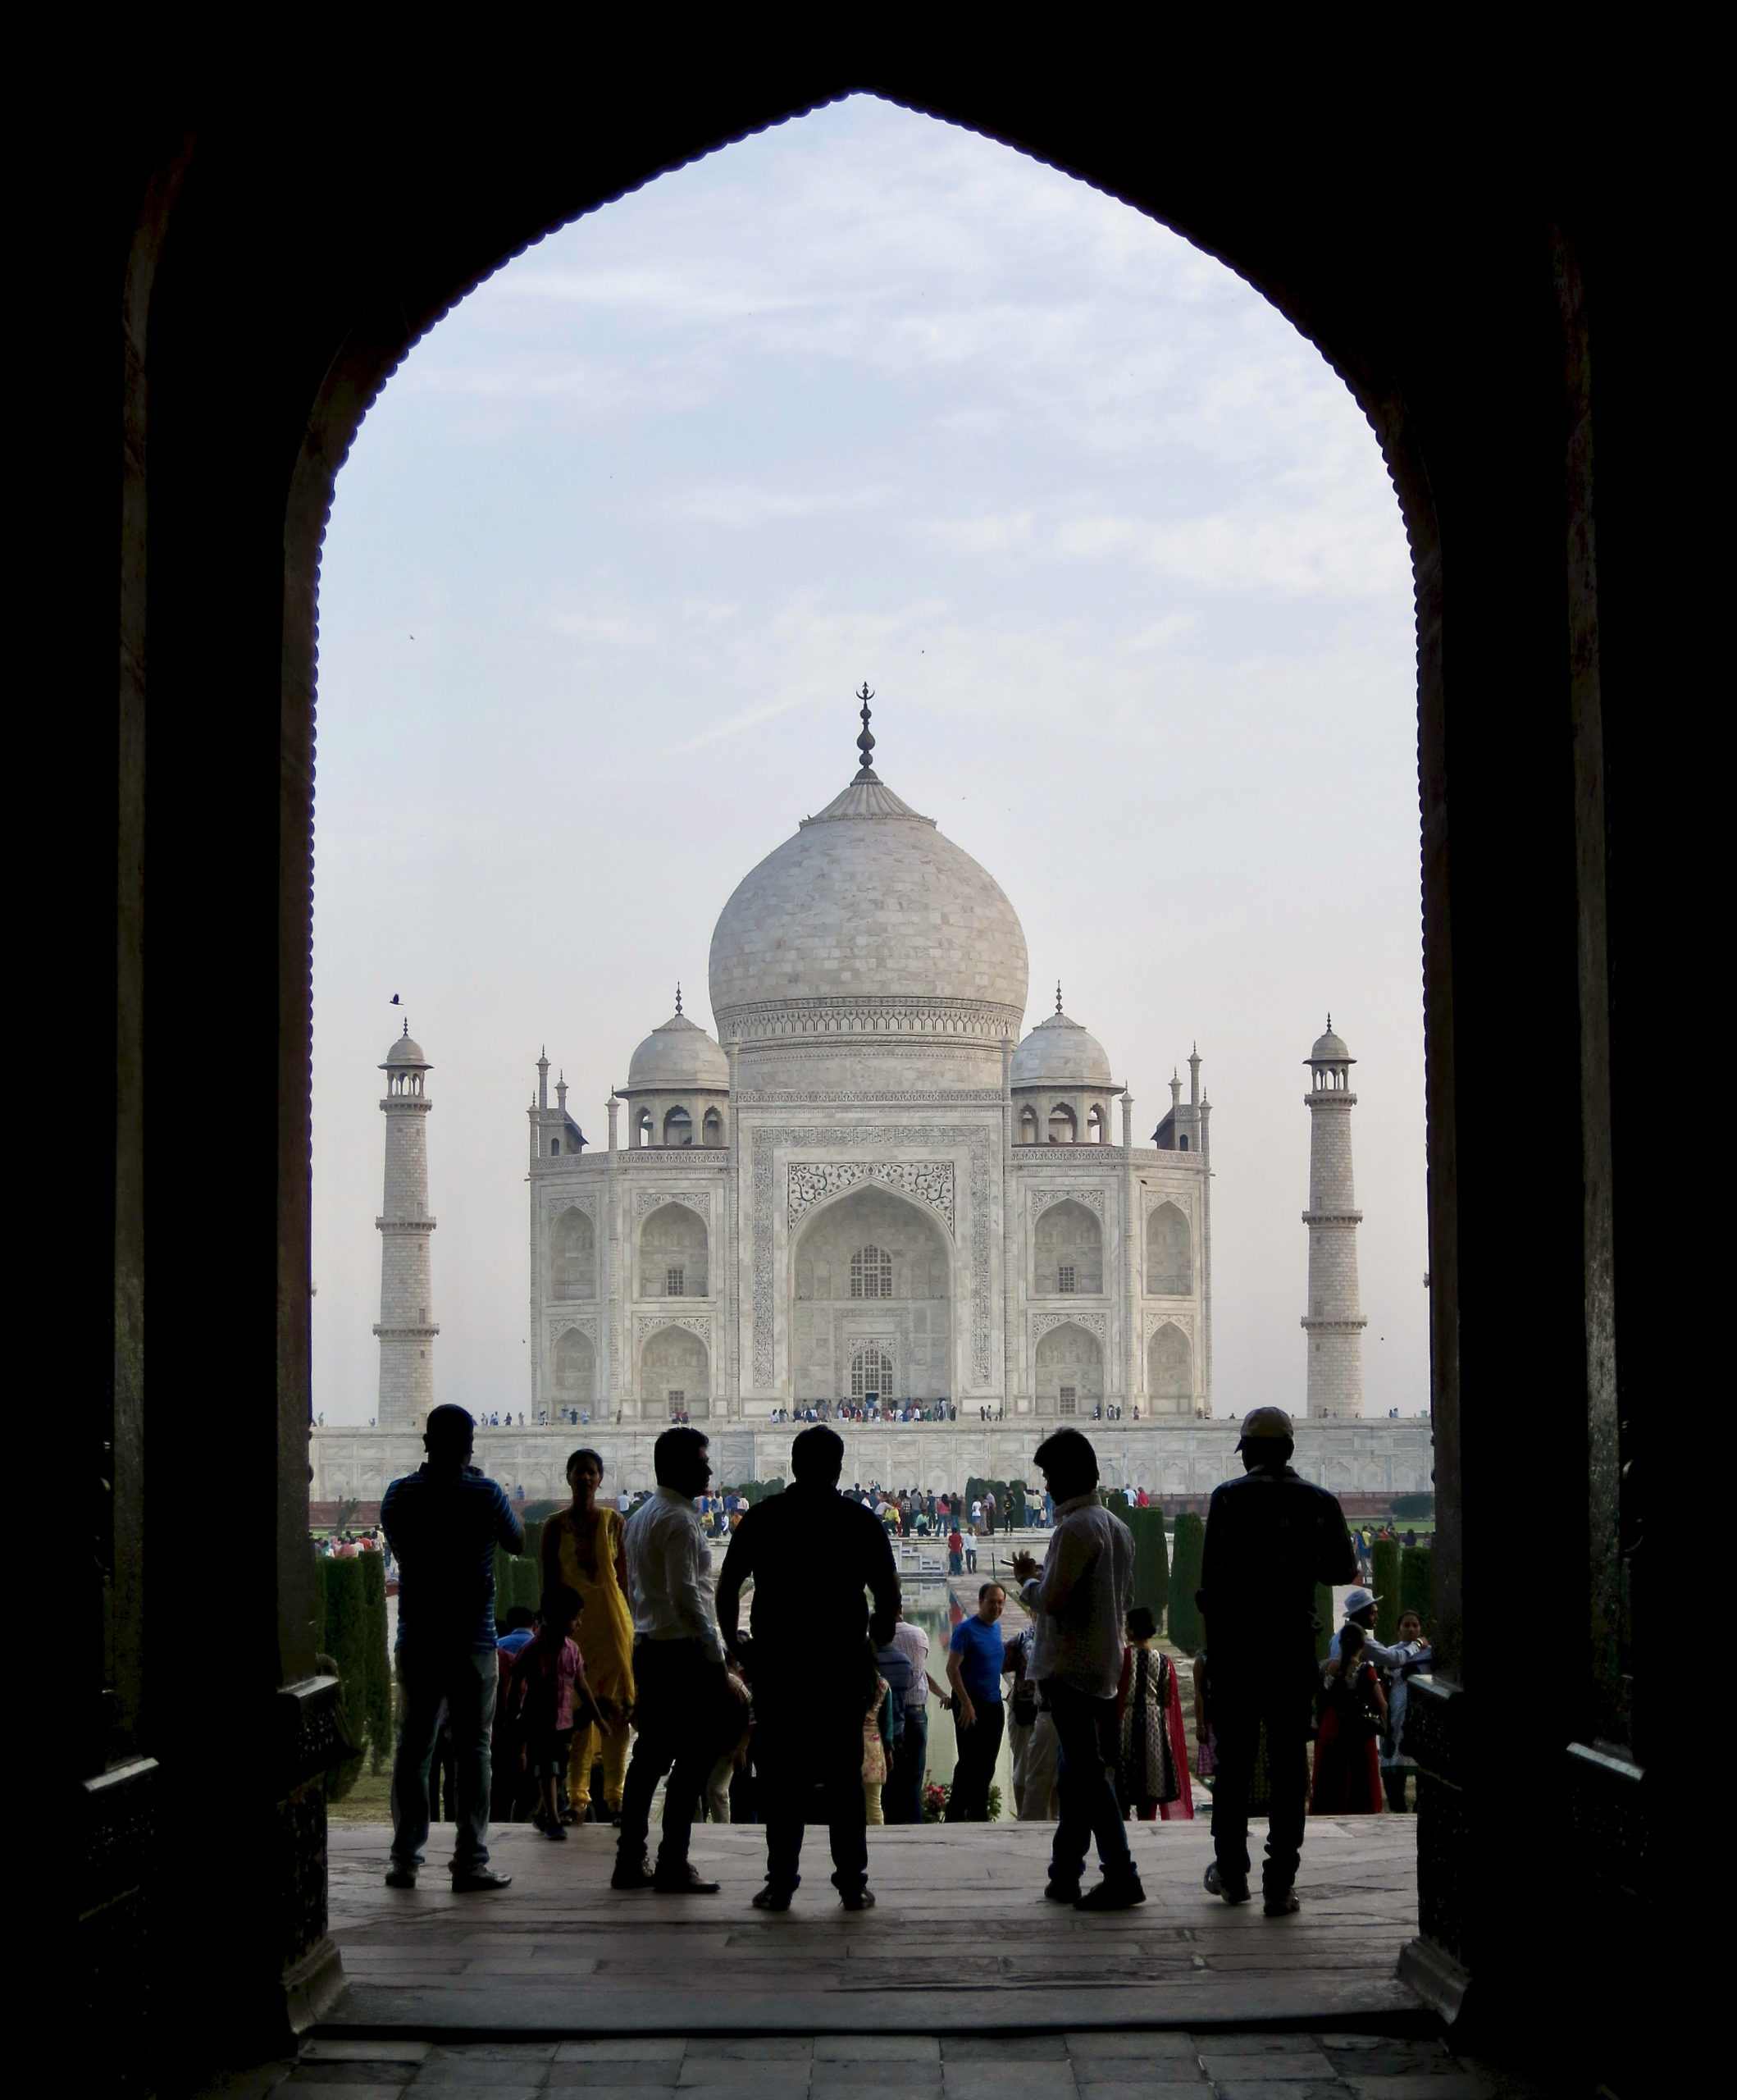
(961, 1941)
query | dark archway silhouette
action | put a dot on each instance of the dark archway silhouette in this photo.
(243, 274)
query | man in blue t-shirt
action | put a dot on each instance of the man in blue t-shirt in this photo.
(443, 1524)
(975, 1666)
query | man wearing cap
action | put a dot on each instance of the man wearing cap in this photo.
(1271, 1537)
(1360, 1610)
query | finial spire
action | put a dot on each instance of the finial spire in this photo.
(678, 998)
(865, 742)
(1329, 1024)
(1058, 995)
(407, 1024)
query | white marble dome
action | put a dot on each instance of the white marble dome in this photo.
(680, 1055)
(405, 1052)
(1330, 1048)
(871, 914)
(1060, 1053)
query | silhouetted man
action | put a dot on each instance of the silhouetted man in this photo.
(811, 1553)
(1271, 1537)
(443, 1524)
(688, 1704)
(1078, 1601)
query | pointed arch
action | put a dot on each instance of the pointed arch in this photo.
(1169, 1260)
(674, 1251)
(575, 1369)
(572, 1256)
(1169, 1369)
(1067, 1251)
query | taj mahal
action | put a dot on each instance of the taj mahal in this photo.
(870, 1195)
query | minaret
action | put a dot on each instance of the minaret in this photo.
(405, 1331)
(1333, 1323)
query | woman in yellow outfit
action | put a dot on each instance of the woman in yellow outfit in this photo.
(587, 1548)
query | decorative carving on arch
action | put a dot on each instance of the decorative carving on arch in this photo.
(646, 1201)
(587, 1202)
(1092, 1322)
(1152, 1321)
(1093, 1198)
(1156, 1199)
(646, 1324)
(585, 1325)
(929, 1181)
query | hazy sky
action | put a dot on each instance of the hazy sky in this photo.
(865, 397)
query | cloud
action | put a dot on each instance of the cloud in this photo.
(745, 507)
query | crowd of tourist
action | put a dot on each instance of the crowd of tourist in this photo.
(636, 1673)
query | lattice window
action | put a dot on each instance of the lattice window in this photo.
(1065, 1278)
(1068, 1403)
(871, 1273)
(675, 1282)
(871, 1373)
(678, 1401)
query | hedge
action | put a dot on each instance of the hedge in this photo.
(1414, 1505)
(1152, 1560)
(1324, 1628)
(1383, 1557)
(1187, 1553)
(350, 1627)
(1417, 1583)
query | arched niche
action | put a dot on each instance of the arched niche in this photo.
(871, 1265)
(712, 1129)
(673, 1250)
(1027, 1124)
(675, 1370)
(576, 1370)
(572, 1256)
(1069, 1371)
(1169, 1260)
(1170, 1371)
(1064, 1127)
(1067, 1251)
(678, 1127)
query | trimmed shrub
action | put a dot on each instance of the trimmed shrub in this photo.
(1152, 1559)
(1187, 1553)
(503, 1586)
(1383, 1559)
(527, 1582)
(1021, 1502)
(1417, 1583)
(1324, 1628)
(379, 1661)
(532, 1548)
(1414, 1505)
(346, 1643)
(539, 1513)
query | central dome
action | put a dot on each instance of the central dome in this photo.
(868, 922)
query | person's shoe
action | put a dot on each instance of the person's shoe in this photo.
(572, 1815)
(858, 1899)
(401, 1876)
(630, 1873)
(1120, 1892)
(684, 1880)
(1280, 1903)
(774, 1899)
(1233, 1887)
(556, 1830)
(473, 1881)
(1062, 1892)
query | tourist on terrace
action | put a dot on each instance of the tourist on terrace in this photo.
(1078, 1600)
(585, 1547)
(811, 1553)
(1271, 1537)
(955, 1551)
(911, 1753)
(1347, 1761)
(975, 1667)
(688, 1703)
(1153, 1763)
(443, 1523)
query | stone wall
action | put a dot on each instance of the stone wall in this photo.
(1182, 1461)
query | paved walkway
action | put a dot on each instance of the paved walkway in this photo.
(961, 1942)
(1101, 2065)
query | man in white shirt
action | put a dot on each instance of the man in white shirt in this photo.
(689, 1706)
(1078, 1601)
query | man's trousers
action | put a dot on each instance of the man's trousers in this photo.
(1239, 1703)
(685, 1713)
(804, 1738)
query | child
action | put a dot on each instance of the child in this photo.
(548, 1683)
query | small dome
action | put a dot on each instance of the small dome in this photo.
(1059, 1052)
(679, 1054)
(405, 1052)
(1330, 1049)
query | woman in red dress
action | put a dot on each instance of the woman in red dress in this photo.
(1348, 1755)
